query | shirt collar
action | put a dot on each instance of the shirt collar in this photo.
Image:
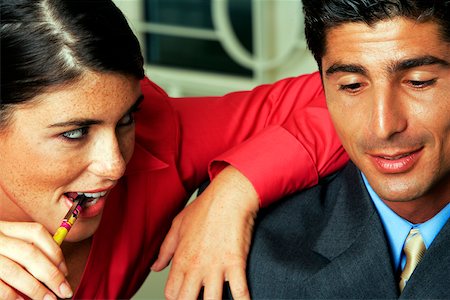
(397, 228)
(143, 161)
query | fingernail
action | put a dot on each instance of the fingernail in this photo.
(65, 290)
(49, 297)
(153, 267)
(63, 268)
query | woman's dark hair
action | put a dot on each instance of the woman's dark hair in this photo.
(45, 43)
(322, 15)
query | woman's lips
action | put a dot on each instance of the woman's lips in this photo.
(398, 163)
(94, 210)
(89, 210)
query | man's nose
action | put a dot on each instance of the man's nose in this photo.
(388, 115)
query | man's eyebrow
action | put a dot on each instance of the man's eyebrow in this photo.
(90, 122)
(415, 62)
(346, 68)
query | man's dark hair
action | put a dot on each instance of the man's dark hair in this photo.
(322, 15)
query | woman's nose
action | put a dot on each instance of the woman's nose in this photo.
(107, 158)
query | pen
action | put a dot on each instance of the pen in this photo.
(69, 219)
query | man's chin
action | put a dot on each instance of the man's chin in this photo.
(398, 188)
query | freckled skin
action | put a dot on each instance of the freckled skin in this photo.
(38, 165)
(389, 114)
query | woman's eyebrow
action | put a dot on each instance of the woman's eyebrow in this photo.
(83, 122)
(77, 123)
(136, 104)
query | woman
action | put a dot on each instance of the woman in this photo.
(72, 83)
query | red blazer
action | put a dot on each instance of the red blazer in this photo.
(289, 142)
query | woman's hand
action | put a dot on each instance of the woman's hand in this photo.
(210, 240)
(31, 263)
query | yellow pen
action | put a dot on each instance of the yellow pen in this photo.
(69, 219)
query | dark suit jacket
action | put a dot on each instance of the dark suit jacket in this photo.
(328, 242)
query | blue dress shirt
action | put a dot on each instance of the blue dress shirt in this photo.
(397, 228)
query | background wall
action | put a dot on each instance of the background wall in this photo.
(211, 47)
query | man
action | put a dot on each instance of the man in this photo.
(386, 76)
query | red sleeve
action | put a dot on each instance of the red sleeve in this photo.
(294, 159)
(296, 153)
(278, 159)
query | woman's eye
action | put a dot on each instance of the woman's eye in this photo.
(351, 88)
(419, 84)
(128, 119)
(75, 134)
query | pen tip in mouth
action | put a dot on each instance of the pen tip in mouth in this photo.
(71, 195)
(74, 197)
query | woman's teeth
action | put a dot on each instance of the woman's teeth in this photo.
(92, 198)
(90, 202)
(93, 195)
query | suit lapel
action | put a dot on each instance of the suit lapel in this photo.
(354, 270)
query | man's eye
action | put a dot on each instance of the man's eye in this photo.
(75, 134)
(351, 88)
(420, 84)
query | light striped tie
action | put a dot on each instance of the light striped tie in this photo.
(414, 250)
